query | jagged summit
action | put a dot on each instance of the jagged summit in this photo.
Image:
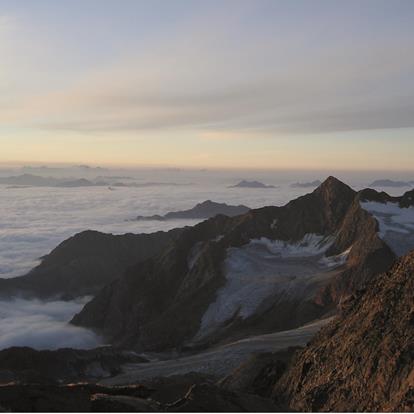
(334, 187)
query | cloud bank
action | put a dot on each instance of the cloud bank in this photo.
(43, 325)
(35, 220)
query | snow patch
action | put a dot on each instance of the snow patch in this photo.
(263, 272)
(335, 261)
(396, 225)
(194, 255)
(218, 238)
(310, 245)
(273, 225)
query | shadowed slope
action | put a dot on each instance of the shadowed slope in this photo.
(84, 263)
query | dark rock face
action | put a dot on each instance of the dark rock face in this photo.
(85, 263)
(26, 365)
(154, 301)
(363, 360)
(206, 209)
(368, 255)
(407, 200)
(159, 303)
(320, 212)
(251, 184)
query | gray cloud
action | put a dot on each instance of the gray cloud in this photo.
(42, 325)
(308, 81)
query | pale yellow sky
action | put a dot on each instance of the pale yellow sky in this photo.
(346, 150)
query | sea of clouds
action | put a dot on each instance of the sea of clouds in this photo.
(34, 220)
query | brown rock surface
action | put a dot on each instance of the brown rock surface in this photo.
(364, 360)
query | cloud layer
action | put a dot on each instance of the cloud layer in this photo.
(35, 220)
(262, 66)
(43, 325)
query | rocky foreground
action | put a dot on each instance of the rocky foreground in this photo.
(364, 360)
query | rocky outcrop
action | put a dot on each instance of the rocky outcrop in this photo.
(84, 263)
(363, 360)
(260, 374)
(204, 210)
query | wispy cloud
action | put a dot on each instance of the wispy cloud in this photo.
(203, 78)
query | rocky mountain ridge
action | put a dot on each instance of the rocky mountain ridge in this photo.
(314, 252)
(84, 263)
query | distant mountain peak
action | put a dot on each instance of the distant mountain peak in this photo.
(203, 210)
(206, 203)
(251, 184)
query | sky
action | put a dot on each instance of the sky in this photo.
(217, 84)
